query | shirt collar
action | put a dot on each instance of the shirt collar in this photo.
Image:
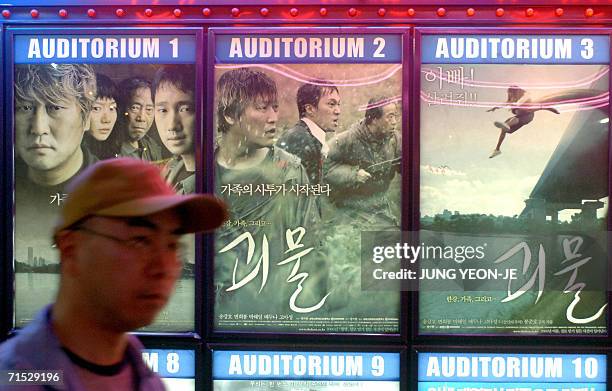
(315, 130)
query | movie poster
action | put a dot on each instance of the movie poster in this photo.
(176, 367)
(514, 167)
(81, 98)
(305, 371)
(517, 371)
(308, 153)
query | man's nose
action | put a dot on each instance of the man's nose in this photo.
(140, 114)
(164, 261)
(40, 123)
(175, 121)
(272, 116)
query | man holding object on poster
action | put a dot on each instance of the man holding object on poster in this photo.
(117, 235)
(362, 162)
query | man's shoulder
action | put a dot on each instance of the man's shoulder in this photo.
(155, 147)
(148, 139)
(288, 165)
(31, 348)
(299, 132)
(148, 380)
(286, 159)
(18, 353)
(347, 137)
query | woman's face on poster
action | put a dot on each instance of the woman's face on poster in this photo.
(102, 118)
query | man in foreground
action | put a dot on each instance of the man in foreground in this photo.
(118, 248)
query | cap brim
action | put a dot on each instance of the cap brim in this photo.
(198, 212)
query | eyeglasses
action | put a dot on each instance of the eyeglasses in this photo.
(143, 244)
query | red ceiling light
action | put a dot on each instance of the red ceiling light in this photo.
(323, 12)
(441, 12)
(589, 12)
(34, 13)
(559, 12)
(470, 12)
(529, 12)
(293, 12)
(411, 12)
(235, 12)
(382, 12)
(177, 12)
(499, 12)
(148, 12)
(206, 11)
(62, 13)
(6, 14)
(120, 12)
(352, 12)
(264, 12)
(91, 13)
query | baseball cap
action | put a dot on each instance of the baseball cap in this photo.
(127, 187)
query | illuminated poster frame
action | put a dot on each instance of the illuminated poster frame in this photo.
(414, 18)
(175, 359)
(566, 367)
(450, 170)
(194, 42)
(371, 361)
(222, 38)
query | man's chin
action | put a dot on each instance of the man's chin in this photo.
(137, 136)
(40, 164)
(137, 322)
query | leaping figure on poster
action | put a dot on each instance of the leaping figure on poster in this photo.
(524, 111)
(523, 108)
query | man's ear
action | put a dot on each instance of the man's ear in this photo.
(309, 110)
(66, 243)
(231, 121)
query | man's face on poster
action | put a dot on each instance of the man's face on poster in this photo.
(327, 112)
(387, 123)
(175, 118)
(258, 123)
(139, 113)
(47, 134)
(102, 118)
